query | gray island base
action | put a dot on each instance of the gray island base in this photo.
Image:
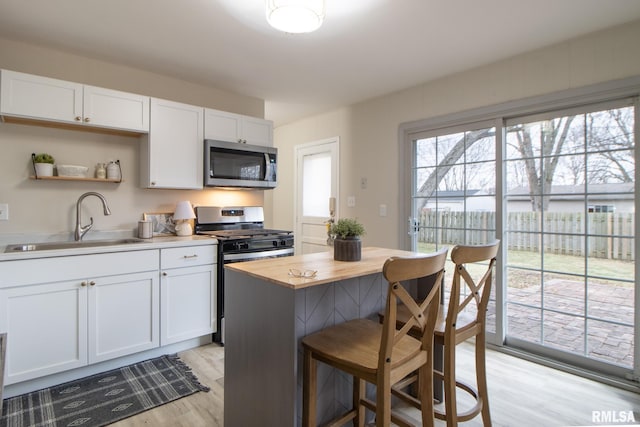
(267, 313)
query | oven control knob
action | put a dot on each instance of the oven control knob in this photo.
(275, 243)
(243, 246)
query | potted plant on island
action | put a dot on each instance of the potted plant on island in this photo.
(43, 164)
(347, 245)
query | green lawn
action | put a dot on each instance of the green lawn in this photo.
(573, 265)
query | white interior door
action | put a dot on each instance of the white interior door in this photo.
(316, 183)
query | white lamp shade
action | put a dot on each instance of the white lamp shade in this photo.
(184, 210)
(295, 16)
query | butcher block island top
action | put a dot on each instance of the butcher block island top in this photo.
(277, 270)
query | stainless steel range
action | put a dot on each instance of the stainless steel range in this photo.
(241, 237)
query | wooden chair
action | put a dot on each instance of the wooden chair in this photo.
(378, 353)
(455, 326)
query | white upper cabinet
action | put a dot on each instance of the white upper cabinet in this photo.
(29, 97)
(224, 126)
(35, 97)
(171, 154)
(116, 110)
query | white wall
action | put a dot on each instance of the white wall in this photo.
(48, 206)
(368, 131)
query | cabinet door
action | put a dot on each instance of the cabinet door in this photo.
(257, 131)
(222, 126)
(187, 303)
(47, 329)
(41, 98)
(172, 153)
(116, 110)
(123, 315)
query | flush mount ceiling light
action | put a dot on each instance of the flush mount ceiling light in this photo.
(295, 16)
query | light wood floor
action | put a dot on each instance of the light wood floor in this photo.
(522, 394)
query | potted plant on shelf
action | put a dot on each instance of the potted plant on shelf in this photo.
(43, 164)
(347, 245)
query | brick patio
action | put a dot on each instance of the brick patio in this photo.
(604, 341)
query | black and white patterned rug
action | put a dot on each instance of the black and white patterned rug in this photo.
(104, 398)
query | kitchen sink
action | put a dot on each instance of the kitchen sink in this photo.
(48, 246)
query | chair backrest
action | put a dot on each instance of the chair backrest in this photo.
(425, 313)
(478, 288)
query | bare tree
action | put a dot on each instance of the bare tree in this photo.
(608, 134)
(553, 136)
(466, 141)
(611, 135)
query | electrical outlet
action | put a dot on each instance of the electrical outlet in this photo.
(383, 210)
(4, 211)
(351, 201)
(363, 183)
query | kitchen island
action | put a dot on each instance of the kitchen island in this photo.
(268, 312)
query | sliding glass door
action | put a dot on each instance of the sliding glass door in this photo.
(558, 189)
(454, 198)
(570, 230)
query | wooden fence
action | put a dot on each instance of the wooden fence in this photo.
(597, 235)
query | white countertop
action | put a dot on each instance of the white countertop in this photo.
(154, 243)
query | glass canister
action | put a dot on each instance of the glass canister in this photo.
(113, 170)
(101, 171)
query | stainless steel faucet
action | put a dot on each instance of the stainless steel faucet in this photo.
(80, 230)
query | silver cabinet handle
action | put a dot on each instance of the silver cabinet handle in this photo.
(87, 119)
(83, 283)
(78, 118)
(92, 283)
(164, 273)
(190, 256)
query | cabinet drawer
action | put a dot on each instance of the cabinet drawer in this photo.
(187, 256)
(54, 269)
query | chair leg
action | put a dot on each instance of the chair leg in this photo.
(450, 404)
(481, 379)
(359, 388)
(309, 387)
(383, 402)
(425, 393)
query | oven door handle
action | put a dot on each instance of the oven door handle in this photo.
(246, 256)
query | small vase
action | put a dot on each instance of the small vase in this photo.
(44, 169)
(347, 249)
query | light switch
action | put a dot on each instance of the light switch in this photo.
(363, 183)
(383, 210)
(351, 201)
(4, 211)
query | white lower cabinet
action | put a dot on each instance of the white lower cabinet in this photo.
(188, 293)
(123, 315)
(67, 312)
(46, 327)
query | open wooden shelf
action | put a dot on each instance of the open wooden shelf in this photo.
(75, 178)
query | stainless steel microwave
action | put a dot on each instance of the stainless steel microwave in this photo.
(232, 164)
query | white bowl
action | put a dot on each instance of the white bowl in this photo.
(72, 170)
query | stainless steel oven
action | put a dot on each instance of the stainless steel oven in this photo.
(241, 237)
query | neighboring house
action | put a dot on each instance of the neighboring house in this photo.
(476, 200)
(570, 198)
(564, 198)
